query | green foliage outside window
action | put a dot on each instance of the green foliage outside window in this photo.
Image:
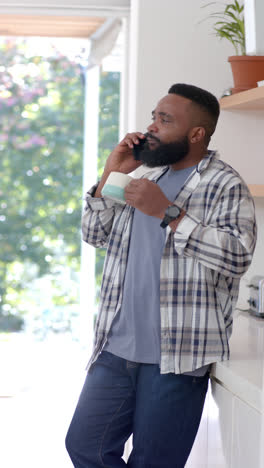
(41, 152)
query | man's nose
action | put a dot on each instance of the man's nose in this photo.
(152, 128)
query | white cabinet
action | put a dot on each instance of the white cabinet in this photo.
(234, 429)
(246, 436)
(229, 433)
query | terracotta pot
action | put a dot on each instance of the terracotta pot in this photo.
(247, 70)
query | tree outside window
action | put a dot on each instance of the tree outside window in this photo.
(41, 154)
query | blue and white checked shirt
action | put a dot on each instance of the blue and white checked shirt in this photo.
(201, 265)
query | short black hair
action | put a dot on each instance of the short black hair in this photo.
(204, 100)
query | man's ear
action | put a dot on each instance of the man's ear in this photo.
(196, 134)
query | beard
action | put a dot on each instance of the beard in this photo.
(165, 154)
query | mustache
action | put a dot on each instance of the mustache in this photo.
(149, 136)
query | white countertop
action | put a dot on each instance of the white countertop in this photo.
(243, 374)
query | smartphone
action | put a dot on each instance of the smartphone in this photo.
(138, 148)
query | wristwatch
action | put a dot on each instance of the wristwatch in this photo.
(171, 213)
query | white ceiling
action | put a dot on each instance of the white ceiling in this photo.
(49, 26)
(59, 18)
(66, 7)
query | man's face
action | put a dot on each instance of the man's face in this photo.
(167, 138)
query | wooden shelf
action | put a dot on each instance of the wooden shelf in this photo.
(253, 99)
(256, 190)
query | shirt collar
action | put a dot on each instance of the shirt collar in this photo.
(204, 163)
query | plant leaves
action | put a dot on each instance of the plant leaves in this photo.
(230, 23)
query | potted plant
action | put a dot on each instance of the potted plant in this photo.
(247, 70)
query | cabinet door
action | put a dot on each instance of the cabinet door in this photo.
(220, 422)
(246, 436)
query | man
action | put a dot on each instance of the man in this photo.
(175, 255)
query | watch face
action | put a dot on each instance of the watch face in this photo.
(173, 211)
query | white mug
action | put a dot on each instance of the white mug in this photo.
(114, 187)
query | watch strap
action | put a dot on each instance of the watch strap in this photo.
(166, 221)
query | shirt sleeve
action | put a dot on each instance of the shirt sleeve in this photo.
(226, 244)
(97, 219)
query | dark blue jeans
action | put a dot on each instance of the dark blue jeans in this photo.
(120, 397)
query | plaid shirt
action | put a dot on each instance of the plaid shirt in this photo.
(201, 265)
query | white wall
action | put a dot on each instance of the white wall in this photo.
(239, 138)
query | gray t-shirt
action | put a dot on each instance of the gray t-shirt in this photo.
(135, 333)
